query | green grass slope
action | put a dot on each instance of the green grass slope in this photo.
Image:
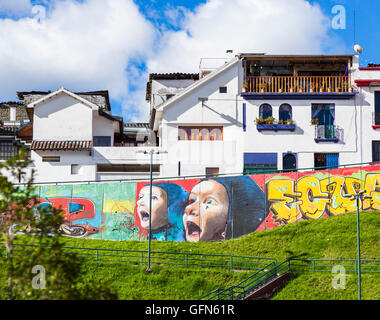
(327, 238)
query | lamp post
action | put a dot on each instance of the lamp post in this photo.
(151, 152)
(359, 195)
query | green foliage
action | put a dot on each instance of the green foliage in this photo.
(58, 273)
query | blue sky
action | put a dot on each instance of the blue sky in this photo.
(115, 44)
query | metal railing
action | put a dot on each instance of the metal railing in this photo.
(197, 176)
(231, 262)
(328, 132)
(272, 271)
(290, 84)
(326, 265)
(250, 284)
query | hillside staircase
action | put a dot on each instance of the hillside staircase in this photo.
(259, 285)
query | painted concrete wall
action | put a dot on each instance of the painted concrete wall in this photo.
(208, 209)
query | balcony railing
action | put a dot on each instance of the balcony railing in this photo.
(328, 133)
(288, 84)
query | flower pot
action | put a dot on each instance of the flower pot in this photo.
(244, 89)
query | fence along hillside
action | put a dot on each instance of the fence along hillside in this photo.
(208, 208)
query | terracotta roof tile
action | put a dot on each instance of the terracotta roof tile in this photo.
(61, 145)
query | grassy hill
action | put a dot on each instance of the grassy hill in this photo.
(328, 238)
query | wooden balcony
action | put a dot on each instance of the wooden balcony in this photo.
(289, 84)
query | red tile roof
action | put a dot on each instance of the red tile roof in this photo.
(61, 145)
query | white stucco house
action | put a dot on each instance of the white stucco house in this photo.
(249, 113)
(76, 138)
(260, 113)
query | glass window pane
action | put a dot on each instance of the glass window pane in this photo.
(285, 112)
(265, 111)
(205, 133)
(182, 133)
(195, 134)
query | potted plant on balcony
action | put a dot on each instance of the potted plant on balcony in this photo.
(350, 88)
(269, 120)
(262, 87)
(245, 87)
(260, 121)
(289, 121)
(314, 121)
(312, 88)
(328, 89)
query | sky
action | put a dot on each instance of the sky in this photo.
(88, 45)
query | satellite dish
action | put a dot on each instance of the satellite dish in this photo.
(358, 48)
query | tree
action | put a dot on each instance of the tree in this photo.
(37, 266)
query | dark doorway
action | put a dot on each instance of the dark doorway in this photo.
(289, 162)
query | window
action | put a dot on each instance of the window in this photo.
(132, 168)
(51, 159)
(285, 112)
(325, 113)
(265, 111)
(323, 161)
(255, 163)
(376, 151)
(7, 149)
(377, 107)
(102, 141)
(200, 133)
(213, 172)
(75, 169)
(222, 89)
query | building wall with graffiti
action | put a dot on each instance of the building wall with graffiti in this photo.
(208, 209)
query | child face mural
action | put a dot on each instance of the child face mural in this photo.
(159, 207)
(206, 214)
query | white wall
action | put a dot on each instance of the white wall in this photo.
(62, 118)
(301, 141)
(160, 88)
(61, 171)
(102, 126)
(221, 109)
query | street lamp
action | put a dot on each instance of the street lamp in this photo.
(151, 152)
(359, 195)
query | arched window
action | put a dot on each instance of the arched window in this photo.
(285, 112)
(265, 111)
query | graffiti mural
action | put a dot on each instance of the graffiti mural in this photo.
(210, 209)
(312, 197)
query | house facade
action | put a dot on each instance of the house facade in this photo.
(262, 113)
(75, 137)
(251, 113)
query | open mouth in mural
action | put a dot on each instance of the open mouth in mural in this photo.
(193, 229)
(144, 215)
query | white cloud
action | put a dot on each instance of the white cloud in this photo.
(81, 46)
(270, 26)
(94, 44)
(15, 8)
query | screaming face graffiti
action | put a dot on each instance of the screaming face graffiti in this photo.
(212, 209)
(205, 216)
